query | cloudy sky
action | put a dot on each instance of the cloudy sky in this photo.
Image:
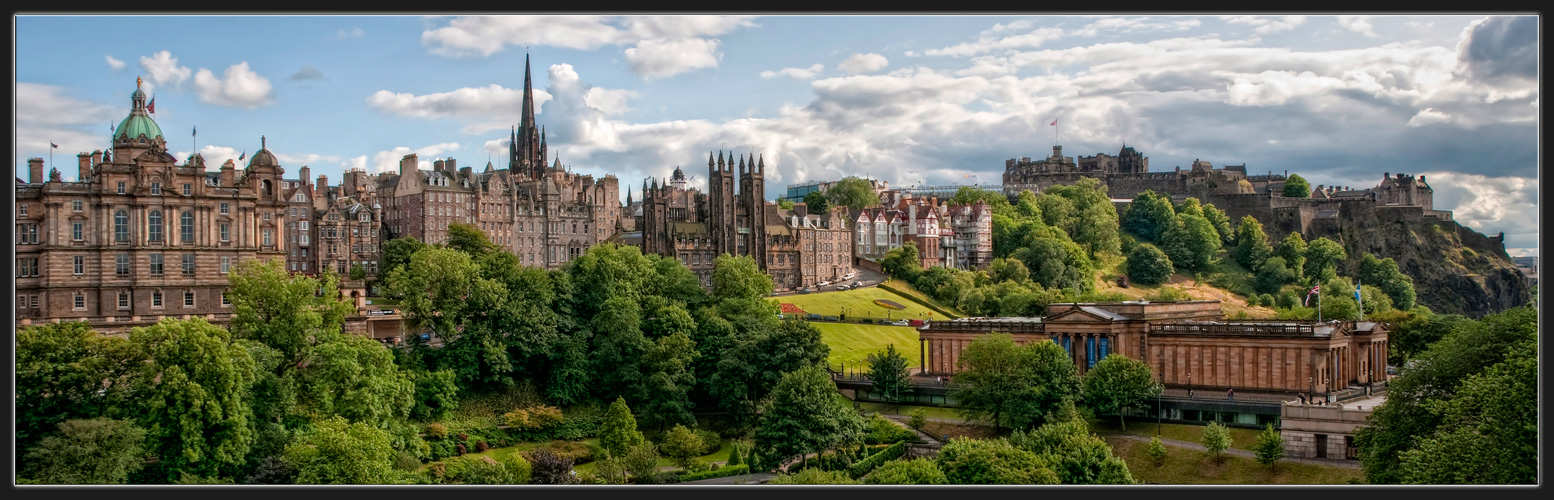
(910, 99)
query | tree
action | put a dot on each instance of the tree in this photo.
(337, 452)
(550, 468)
(915, 471)
(976, 461)
(618, 347)
(1293, 250)
(618, 431)
(1075, 455)
(814, 475)
(609, 270)
(665, 393)
(1220, 221)
(785, 204)
(738, 278)
(1269, 447)
(1420, 415)
(1156, 450)
(436, 395)
(1191, 243)
(853, 193)
(397, 252)
(1384, 274)
(66, 371)
(1251, 243)
(1085, 212)
(358, 272)
(1216, 439)
(1149, 216)
(355, 377)
(817, 203)
(1323, 257)
(1118, 383)
(94, 451)
(285, 311)
(1296, 187)
(1272, 275)
(682, 445)
(888, 372)
(470, 239)
(192, 396)
(804, 416)
(434, 290)
(1012, 386)
(641, 462)
(1148, 265)
(1008, 270)
(1413, 336)
(903, 262)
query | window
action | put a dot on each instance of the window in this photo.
(304, 251)
(267, 240)
(121, 187)
(224, 300)
(154, 225)
(304, 266)
(156, 298)
(77, 231)
(267, 216)
(188, 298)
(156, 189)
(124, 300)
(156, 264)
(27, 233)
(80, 301)
(78, 264)
(226, 264)
(188, 263)
(301, 198)
(225, 209)
(22, 210)
(76, 205)
(27, 266)
(121, 226)
(186, 227)
(188, 189)
(121, 264)
(226, 231)
(294, 266)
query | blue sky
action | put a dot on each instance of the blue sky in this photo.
(910, 99)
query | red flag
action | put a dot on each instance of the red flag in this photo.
(1054, 123)
(151, 106)
(1315, 289)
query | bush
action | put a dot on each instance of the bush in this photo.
(1148, 265)
(486, 470)
(919, 471)
(460, 449)
(732, 470)
(550, 468)
(1157, 451)
(736, 454)
(642, 463)
(813, 476)
(517, 420)
(1266, 300)
(883, 431)
(1169, 294)
(437, 431)
(868, 464)
(406, 461)
(1288, 299)
(481, 446)
(1216, 438)
(710, 441)
(577, 452)
(917, 418)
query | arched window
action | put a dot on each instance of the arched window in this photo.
(264, 189)
(155, 225)
(186, 227)
(121, 226)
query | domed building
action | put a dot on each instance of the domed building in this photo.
(138, 236)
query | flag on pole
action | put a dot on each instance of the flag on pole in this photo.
(196, 131)
(1356, 291)
(151, 106)
(52, 145)
(242, 156)
(1054, 123)
(1315, 290)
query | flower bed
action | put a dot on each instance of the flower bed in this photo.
(788, 308)
(889, 304)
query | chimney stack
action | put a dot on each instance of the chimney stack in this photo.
(437, 166)
(407, 165)
(35, 170)
(322, 186)
(302, 175)
(84, 160)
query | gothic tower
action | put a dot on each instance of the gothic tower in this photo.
(754, 199)
(526, 147)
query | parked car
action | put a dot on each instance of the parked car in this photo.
(812, 317)
(824, 283)
(829, 318)
(916, 322)
(901, 323)
(804, 290)
(857, 283)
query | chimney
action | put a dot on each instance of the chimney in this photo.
(437, 166)
(407, 165)
(302, 175)
(35, 170)
(911, 220)
(97, 157)
(322, 186)
(85, 162)
(801, 208)
(451, 164)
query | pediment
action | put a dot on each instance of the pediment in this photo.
(1081, 315)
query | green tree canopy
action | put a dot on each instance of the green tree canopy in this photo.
(1010, 385)
(853, 193)
(817, 203)
(1076, 455)
(1149, 216)
(1191, 243)
(1251, 246)
(618, 432)
(1273, 274)
(1269, 447)
(470, 239)
(805, 417)
(903, 262)
(1323, 257)
(1293, 250)
(814, 475)
(397, 252)
(915, 471)
(1118, 383)
(67, 371)
(1384, 274)
(93, 451)
(285, 311)
(192, 393)
(1002, 270)
(1220, 221)
(1297, 187)
(888, 372)
(1148, 265)
(665, 392)
(682, 445)
(335, 451)
(1489, 429)
(976, 461)
(1216, 439)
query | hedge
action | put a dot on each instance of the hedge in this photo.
(732, 470)
(868, 464)
(924, 303)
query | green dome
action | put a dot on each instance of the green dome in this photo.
(136, 124)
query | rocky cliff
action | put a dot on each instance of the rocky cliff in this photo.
(1456, 270)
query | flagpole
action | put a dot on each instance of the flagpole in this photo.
(1319, 302)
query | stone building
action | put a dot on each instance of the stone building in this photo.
(301, 226)
(140, 236)
(948, 235)
(1324, 430)
(1187, 344)
(544, 214)
(796, 248)
(349, 222)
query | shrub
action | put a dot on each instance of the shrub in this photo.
(461, 450)
(550, 468)
(1157, 450)
(545, 417)
(517, 420)
(642, 463)
(814, 476)
(918, 471)
(1148, 265)
(406, 461)
(868, 464)
(736, 454)
(918, 418)
(682, 445)
(486, 470)
(481, 446)
(1216, 438)
(1168, 294)
(437, 431)
(710, 441)
(883, 431)
(577, 452)
(463, 437)
(731, 470)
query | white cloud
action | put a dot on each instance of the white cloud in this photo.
(1428, 116)
(352, 32)
(388, 160)
(1263, 25)
(1135, 25)
(1358, 24)
(657, 58)
(610, 102)
(240, 88)
(47, 113)
(163, 68)
(798, 73)
(990, 41)
(1490, 204)
(660, 46)
(491, 101)
(497, 148)
(114, 63)
(359, 162)
(863, 63)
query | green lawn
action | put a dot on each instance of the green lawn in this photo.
(931, 411)
(858, 304)
(1241, 439)
(852, 342)
(721, 455)
(1185, 466)
(908, 289)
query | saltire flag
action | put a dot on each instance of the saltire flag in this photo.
(242, 156)
(1315, 289)
(196, 131)
(55, 146)
(151, 106)
(1356, 291)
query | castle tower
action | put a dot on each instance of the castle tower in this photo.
(754, 199)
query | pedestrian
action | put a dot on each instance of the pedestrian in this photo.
(1232, 394)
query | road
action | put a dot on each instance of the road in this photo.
(869, 278)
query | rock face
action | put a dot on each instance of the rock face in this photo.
(1456, 270)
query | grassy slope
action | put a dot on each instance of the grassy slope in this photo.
(1184, 466)
(908, 289)
(859, 304)
(852, 342)
(1241, 439)
(1223, 276)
